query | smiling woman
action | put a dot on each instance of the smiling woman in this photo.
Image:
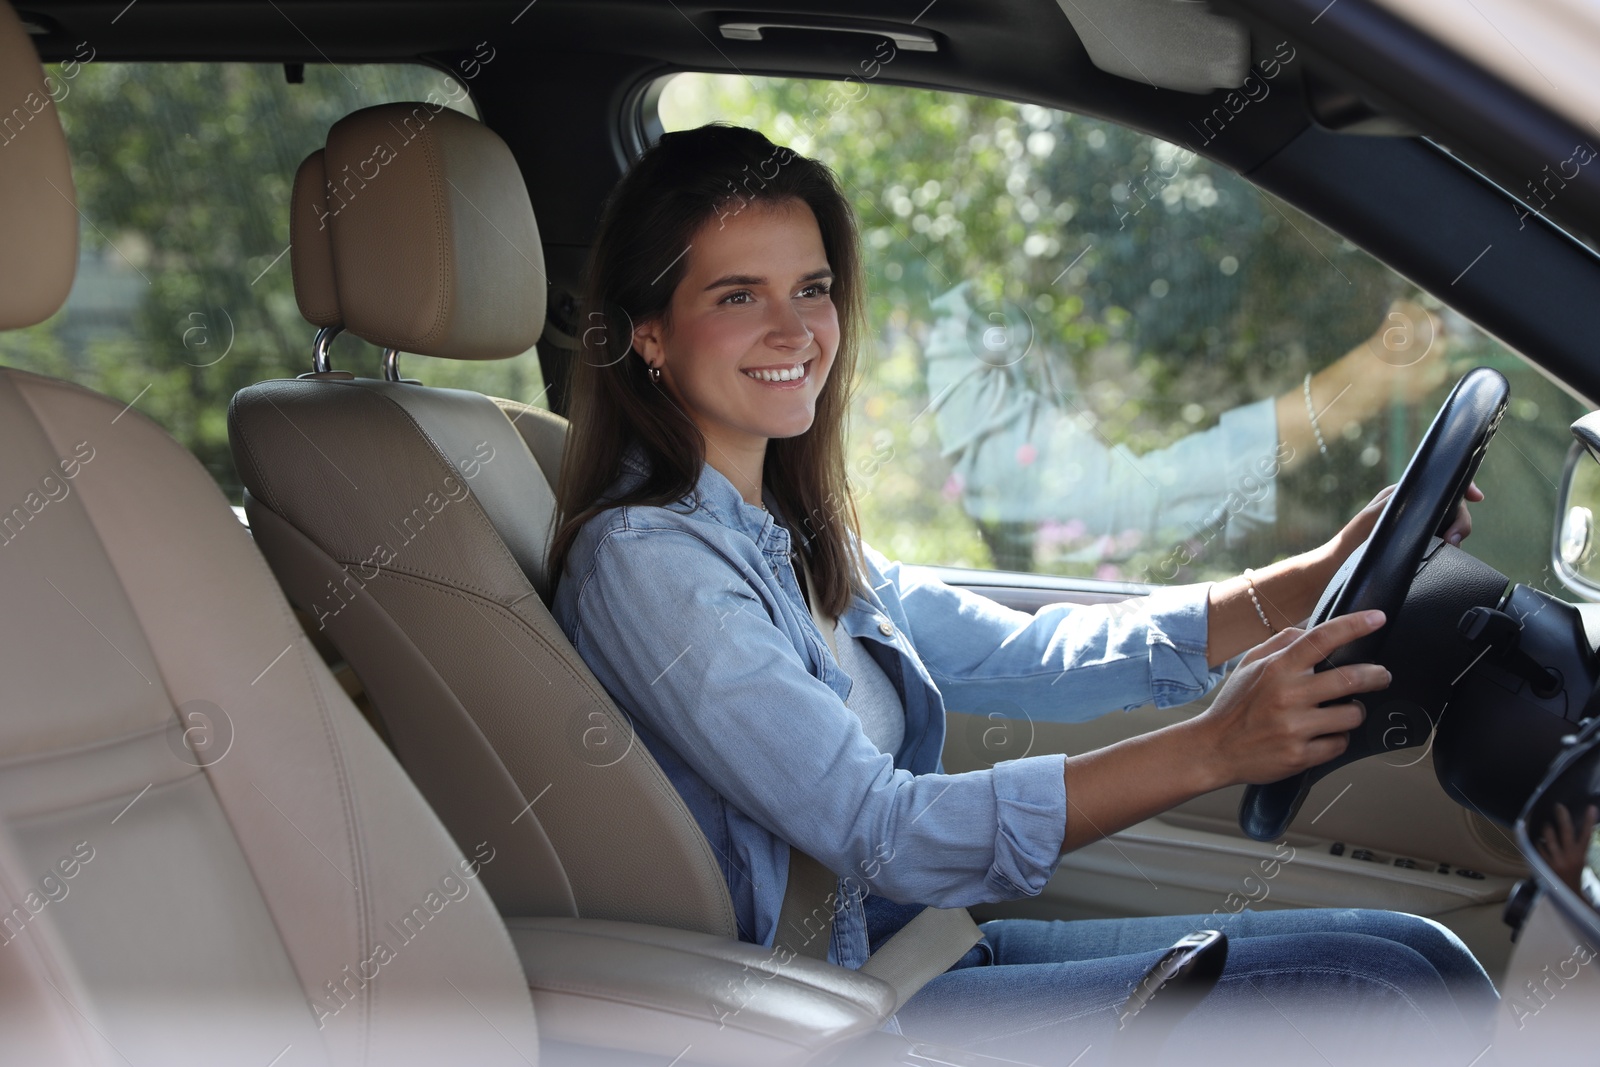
(675, 316)
(702, 343)
(806, 738)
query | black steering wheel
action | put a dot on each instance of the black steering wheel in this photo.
(1379, 573)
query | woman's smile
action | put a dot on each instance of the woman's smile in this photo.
(781, 376)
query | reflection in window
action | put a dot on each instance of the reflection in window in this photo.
(1092, 347)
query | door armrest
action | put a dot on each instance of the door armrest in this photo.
(651, 989)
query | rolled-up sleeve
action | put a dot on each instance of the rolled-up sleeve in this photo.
(1031, 801)
(1067, 662)
(682, 640)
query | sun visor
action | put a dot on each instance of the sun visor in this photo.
(1171, 44)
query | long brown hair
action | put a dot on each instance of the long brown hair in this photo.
(681, 183)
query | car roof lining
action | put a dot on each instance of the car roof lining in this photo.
(1023, 50)
(1016, 49)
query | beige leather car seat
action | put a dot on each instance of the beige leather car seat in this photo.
(206, 856)
(410, 523)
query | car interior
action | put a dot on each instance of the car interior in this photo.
(284, 693)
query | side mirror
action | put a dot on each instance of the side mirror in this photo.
(1575, 555)
(1569, 875)
(1550, 986)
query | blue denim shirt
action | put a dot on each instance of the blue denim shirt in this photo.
(692, 618)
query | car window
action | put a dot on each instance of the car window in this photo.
(1091, 346)
(183, 293)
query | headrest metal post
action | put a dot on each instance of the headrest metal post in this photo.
(391, 365)
(320, 361)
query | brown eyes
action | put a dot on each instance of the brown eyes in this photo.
(814, 291)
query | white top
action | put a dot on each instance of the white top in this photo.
(873, 696)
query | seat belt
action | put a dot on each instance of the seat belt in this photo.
(919, 951)
(805, 922)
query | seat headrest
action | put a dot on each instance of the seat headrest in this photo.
(310, 250)
(38, 205)
(430, 236)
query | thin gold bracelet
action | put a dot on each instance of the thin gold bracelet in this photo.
(1250, 584)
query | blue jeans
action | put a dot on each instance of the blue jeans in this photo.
(1320, 985)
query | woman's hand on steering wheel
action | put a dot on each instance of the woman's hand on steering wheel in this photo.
(1268, 721)
(1356, 531)
(1320, 564)
(1383, 548)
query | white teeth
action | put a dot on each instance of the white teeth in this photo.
(788, 374)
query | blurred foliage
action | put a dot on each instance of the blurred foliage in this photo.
(183, 296)
(1167, 288)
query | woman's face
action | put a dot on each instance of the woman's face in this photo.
(753, 330)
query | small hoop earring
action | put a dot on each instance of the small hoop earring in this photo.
(655, 375)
